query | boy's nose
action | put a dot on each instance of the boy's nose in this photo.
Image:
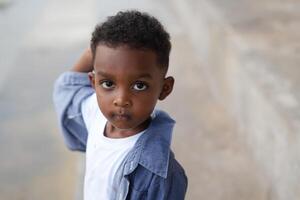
(122, 100)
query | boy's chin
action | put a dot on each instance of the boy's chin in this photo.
(128, 128)
(121, 127)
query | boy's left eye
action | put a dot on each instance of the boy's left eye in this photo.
(140, 86)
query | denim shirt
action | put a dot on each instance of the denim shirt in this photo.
(150, 170)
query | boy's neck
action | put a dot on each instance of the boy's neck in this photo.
(113, 132)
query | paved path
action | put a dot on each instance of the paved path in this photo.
(42, 39)
(39, 39)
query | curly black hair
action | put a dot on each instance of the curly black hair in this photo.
(136, 30)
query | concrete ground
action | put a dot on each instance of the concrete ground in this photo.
(249, 51)
(42, 38)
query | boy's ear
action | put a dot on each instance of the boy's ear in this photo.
(92, 78)
(167, 87)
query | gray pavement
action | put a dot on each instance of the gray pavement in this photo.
(37, 43)
(42, 39)
(250, 56)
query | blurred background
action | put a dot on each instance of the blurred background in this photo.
(236, 99)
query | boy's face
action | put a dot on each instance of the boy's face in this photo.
(128, 82)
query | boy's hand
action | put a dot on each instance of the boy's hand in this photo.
(85, 62)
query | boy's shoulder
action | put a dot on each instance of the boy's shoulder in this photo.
(156, 142)
(152, 150)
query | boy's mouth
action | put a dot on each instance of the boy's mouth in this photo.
(121, 117)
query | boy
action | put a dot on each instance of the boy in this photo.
(106, 108)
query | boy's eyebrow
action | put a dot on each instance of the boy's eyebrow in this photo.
(101, 73)
(145, 75)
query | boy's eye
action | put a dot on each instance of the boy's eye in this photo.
(140, 86)
(107, 84)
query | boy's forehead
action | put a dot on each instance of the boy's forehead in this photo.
(119, 57)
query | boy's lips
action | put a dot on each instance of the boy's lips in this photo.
(121, 117)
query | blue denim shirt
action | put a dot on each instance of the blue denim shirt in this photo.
(150, 170)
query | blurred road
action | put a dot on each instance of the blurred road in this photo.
(40, 39)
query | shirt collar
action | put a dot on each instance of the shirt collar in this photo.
(152, 150)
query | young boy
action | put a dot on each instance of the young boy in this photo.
(106, 108)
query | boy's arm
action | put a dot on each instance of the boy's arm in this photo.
(177, 187)
(85, 62)
(174, 187)
(70, 89)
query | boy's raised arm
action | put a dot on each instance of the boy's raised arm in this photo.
(70, 90)
(85, 62)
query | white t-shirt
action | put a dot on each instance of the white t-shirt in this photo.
(104, 156)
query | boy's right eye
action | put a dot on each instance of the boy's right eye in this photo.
(107, 84)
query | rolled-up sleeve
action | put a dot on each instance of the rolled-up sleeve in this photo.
(70, 89)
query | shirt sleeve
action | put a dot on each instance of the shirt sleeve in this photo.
(172, 188)
(177, 187)
(70, 90)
